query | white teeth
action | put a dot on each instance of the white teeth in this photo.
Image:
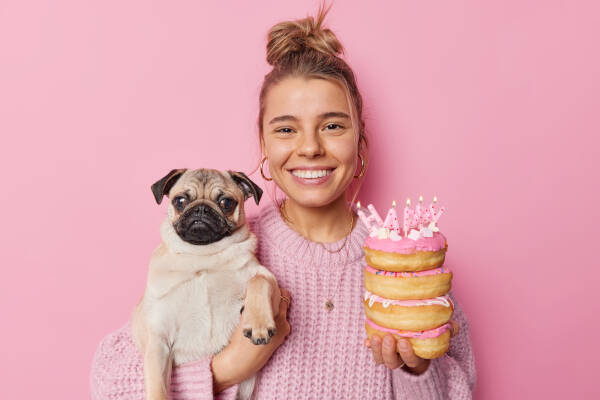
(311, 174)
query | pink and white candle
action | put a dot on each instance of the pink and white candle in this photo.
(426, 217)
(432, 209)
(419, 213)
(407, 218)
(362, 216)
(438, 214)
(375, 215)
(391, 220)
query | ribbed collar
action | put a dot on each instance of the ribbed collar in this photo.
(280, 235)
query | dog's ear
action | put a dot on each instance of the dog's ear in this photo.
(162, 187)
(248, 187)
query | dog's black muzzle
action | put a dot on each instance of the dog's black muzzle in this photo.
(202, 225)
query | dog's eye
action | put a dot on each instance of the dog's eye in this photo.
(227, 204)
(179, 202)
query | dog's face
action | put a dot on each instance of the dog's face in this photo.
(205, 204)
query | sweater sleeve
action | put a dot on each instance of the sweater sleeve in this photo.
(451, 376)
(117, 373)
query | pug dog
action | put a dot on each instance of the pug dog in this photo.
(201, 277)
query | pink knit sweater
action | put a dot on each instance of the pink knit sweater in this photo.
(323, 357)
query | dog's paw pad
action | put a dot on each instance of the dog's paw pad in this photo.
(259, 341)
(259, 335)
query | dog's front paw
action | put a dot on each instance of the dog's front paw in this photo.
(259, 329)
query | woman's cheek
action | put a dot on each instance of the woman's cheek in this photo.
(347, 156)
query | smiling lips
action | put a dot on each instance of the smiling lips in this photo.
(311, 175)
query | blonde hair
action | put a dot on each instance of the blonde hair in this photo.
(303, 48)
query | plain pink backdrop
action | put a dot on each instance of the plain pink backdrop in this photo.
(492, 106)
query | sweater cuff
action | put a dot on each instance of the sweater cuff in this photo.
(194, 380)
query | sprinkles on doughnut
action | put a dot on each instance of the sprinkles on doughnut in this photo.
(405, 278)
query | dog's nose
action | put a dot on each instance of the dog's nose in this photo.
(200, 210)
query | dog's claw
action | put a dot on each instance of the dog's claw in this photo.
(248, 333)
(242, 309)
(271, 332)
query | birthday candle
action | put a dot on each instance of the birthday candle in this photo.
(432, 209)
(375, 215)
(426, 218)
(407, 218)
(391, 220)
(414, 221)
(418, 213)
(362, 216)
(439, 214)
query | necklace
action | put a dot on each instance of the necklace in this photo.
(328, 303)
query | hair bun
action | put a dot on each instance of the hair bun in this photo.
(293, 37)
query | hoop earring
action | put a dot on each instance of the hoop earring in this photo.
(362, 167)
(261, 170)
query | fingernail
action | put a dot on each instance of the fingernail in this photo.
(387, 342)
(403, 345)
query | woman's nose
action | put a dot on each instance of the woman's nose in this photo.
(310, 145)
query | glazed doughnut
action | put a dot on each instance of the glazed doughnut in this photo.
(405, 279)
(406, 254)
(408, 285)
(410, 315)
(428, 344)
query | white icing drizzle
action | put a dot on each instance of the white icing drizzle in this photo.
(440, 300)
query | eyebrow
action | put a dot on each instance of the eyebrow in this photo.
(331, 114)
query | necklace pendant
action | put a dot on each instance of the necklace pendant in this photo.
(328, 305)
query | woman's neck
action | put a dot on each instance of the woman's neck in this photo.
(326, 224)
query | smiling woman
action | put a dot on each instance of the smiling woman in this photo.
(312, 148)
(313, 139)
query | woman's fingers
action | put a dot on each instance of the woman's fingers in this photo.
(393, 353)
(389, 353)
(384, 351)
(455, 328)
(286, 293)
(281, 319)
(407, 354)
(376, 349)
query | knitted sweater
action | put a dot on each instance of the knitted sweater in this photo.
(323, 356)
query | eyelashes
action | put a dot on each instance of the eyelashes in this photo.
(331, 126)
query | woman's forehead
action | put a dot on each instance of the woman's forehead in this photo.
(305, 98)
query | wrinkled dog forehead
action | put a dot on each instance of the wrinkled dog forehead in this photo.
(207, 184)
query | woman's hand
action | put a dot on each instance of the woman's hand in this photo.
(393, 353)
(241, 359)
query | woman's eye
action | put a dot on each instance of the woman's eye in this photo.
(284, 130)
(227, 204)
(333, 126)
(179, 202)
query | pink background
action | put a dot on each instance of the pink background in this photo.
(493, 107)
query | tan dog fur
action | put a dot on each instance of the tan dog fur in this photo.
(194, 293)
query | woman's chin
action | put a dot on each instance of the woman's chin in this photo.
(311, 199)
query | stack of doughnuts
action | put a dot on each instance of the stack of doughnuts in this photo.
(406, 282)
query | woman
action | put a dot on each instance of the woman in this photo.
(313, 138)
